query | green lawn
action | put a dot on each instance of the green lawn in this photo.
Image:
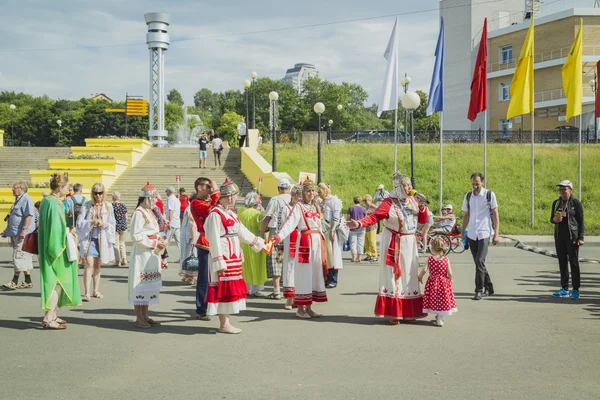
(353, 169)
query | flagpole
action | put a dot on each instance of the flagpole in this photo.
(396, 137)
(532, 170)
(485, 148)
(579, 160)
(441, 159)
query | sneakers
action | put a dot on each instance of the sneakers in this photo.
(575, 295)
(563, 293)
(25, 285)
(478, 296)
(10, 285)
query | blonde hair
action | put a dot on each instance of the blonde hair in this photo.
(324, 188)
(58, 181)
(98, 187)
(438, 245)
(367, 197)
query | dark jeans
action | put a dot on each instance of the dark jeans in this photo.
(332, 277)
(202, 285)
(241, 140)
(479, 250)
(568, 252)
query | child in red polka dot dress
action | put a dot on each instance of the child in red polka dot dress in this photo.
(438, 297)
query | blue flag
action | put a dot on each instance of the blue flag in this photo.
(436, 90)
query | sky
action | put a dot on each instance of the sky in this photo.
(72, 49)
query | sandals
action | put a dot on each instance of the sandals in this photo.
(274, 296)
(287, 307)
(153, 322)
(85, 298)
(203, 317)
(59, 326)
(142, 326)
(98, 295)
(303, 316)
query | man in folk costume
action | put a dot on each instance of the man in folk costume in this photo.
(310, 266)
(225, 233)
(273, 223)
(399, 295)
(290, 248)
(208, 196)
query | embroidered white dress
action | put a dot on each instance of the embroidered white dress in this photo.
(310, 264)
(227, 292)
(145, 277)
(106, 236)
(290, 248)
(332, 211)
(399, 294)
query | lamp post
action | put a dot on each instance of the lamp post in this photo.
(594, 84)
(246, 85)
(411, 102)
(59, 122)
(319, 108)
(404, 82)
(12, 137)
(340, 108)
(274, 96)
(253, 76)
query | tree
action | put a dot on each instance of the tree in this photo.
(227, 129)
(206, 100)
(175, 97)
(174, 117)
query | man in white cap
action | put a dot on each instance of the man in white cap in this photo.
(380, 195)
(567, 217)
(273, 221)
(445, 222)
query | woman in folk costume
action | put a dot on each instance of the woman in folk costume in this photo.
(399, 295)
(189, 236)
(96, 229)
(227, 290)
(59, 282)
(310, 267)
(290, 248)
(254, 269)
(332, 214)
(145, 277)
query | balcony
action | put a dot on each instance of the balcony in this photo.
(549, 55)
(559, 94)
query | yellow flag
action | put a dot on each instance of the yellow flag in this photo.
(521, 87)
(572, 75)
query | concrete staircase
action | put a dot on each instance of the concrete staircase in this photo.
(15, 162)
(160, 166)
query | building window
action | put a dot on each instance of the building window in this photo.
(505, 54)
(505, 126)
(504, 92)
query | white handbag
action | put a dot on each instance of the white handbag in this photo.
(72, 248)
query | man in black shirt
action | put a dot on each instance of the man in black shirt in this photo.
(567, 217)
(202, 142)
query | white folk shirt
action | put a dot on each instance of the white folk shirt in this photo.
(273, 208)
(173, 211)
(241, 128)
(480, 221)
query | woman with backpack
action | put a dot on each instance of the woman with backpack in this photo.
(96, 229)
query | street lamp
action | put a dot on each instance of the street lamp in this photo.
(59, 122)
(253, 76)
(594, 84)
(319, 109)
(411, 102)
(404, 82)
(340, 108)
(246, 85)
(12, 137)
(274, 96)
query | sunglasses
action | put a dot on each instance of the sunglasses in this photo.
(98, 193)
(563, 189)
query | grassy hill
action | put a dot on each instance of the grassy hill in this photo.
(357, 169)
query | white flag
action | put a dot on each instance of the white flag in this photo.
(389, 99)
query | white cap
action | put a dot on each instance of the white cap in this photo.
(380, 187)
(566, 183)
(283, 183)
(448, 206)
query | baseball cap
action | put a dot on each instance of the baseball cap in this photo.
(448, 206)
(283, 183)
(566, 183)
(380, 186)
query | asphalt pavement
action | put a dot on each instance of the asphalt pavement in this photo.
(518, 344)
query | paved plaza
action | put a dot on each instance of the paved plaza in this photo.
(519, 344)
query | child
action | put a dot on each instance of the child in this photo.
(438, 298)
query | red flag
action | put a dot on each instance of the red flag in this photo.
(596, 89)
(478, 101)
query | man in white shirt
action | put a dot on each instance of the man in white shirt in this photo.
(482, 220)
(172, 213)
(242, 131)
(272, 220)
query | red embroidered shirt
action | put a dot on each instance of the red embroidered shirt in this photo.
(200, 210)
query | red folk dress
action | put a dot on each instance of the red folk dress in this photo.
(438, 297)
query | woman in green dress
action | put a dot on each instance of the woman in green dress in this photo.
(254, 268)
(59, 284)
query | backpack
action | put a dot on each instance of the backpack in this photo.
(75, 210)
(488, 198)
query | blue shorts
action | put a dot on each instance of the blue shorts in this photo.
(202, 153)
(93, 249)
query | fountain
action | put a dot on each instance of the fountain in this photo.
(186, 137)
